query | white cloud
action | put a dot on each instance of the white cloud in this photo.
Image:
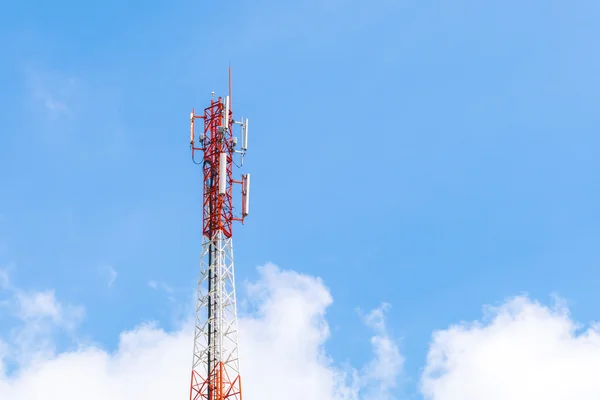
(282, 350)
(52, 104)
(38, 305)
(51, 91)
(31, 306)
(160, 286)
(62, 102)
(41, 316)
(163, 287)
(382, 373)
(112, 275)
(522, 351)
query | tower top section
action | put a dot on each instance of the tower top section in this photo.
(220, 146)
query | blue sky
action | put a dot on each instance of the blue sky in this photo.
(437, 156)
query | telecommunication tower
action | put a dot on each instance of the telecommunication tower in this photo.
(215, 367)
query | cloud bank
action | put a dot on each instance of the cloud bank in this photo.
(523, 351)
(282, 350)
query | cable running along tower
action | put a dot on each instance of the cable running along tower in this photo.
(215, 367)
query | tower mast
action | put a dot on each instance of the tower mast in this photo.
(215, 366)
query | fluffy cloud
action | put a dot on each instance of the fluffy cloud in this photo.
(282, 350)
(523, 351)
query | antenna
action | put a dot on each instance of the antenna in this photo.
(226, 112)
(245, 136)
(222, 173)
(246, 195)
(230, 95)
(192, 128)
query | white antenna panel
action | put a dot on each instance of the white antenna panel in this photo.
(245, 138)
(191, 128)
(226, 112)
(222, 173)
(247, 196)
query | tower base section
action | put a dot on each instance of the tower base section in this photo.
(218, 386)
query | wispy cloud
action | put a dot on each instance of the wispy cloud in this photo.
(112, 275)
(51, 103)
(62, 102)
(162, 286)
(109, 273)
(33, 305)
(52, 91)
(41, 315)
(384, 370)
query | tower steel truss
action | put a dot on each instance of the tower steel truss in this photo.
(216, 366)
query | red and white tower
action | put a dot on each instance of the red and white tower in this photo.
(215, 368)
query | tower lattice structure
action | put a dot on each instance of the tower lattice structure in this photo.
(216, 366)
